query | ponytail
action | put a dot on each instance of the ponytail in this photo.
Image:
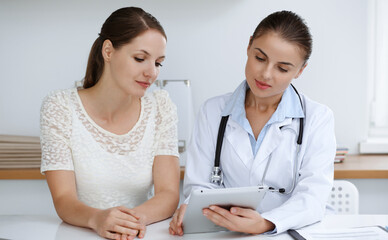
(95, 64)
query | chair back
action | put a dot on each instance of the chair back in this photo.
(344, 197)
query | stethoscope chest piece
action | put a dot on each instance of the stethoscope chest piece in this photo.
(216, 176)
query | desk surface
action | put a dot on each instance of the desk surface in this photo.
(354, 166)
(51, 227)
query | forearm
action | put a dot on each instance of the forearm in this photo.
(160, 207)
(297, 212)
(75, 212)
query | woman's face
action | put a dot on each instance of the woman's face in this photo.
(135, 66)
(272, 64)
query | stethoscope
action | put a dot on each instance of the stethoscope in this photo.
(217, 175)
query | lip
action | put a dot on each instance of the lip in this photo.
(144, 84)
(262, 85)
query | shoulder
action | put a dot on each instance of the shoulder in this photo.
(56, 110)
(316, 111)
(58, 97)
(163, 102)
(160, 95)
(57, 101)
(215, 105)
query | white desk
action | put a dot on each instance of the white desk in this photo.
(50, 227)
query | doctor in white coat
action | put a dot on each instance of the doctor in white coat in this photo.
(260, 143)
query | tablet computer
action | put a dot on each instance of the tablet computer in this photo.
(195, 222)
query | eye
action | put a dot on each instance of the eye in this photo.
(139, 59)
(260, 59)
(283, 70)
(158, 64)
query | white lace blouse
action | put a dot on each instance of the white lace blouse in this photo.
(110, 169)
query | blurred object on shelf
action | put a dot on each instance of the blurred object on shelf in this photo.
(340, 154)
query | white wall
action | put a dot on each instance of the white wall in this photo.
(29, 197)
(44, 45)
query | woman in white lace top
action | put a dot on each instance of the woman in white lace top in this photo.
(105, 146)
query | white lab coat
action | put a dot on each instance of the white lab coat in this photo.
(307, 203)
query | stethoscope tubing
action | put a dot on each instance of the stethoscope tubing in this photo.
(217, 175)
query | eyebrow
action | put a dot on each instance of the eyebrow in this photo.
(285, 63)
(148, 54)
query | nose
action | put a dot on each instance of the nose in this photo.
(151, 71)
(267, 74)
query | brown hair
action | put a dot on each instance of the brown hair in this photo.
(290, 27)
(120, 28)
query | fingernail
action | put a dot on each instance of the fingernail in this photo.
(212, 207)
(233, 210)
(204, 212)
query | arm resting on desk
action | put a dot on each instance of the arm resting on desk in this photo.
(166, 183)
(107, 223)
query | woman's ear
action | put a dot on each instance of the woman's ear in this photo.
(107, 50)
(301, 70)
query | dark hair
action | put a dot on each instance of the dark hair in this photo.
(120, 28)
(290, 27)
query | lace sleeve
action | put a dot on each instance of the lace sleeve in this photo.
(55, 124)
(167, 125)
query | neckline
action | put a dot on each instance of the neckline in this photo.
(91, 121)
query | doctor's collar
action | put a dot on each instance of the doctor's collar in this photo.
(235, 100)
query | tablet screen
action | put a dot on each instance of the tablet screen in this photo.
(195, 222)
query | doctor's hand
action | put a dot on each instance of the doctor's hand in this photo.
(176, 227)
(238, 219)
(117, 223)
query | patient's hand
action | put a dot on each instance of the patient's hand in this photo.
(117, 223)
(176, 227)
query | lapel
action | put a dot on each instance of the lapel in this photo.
(271, 141)
(239, 141)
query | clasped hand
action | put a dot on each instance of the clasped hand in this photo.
(237, 219)
(118, 223)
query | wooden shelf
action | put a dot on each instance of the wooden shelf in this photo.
(362, 167)
(182, 172)
(30, 173)
(354, 167)
(34, 173)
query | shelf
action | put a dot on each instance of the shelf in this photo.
(354, 167)
(362, 167)
(30, 173)
(34, 173)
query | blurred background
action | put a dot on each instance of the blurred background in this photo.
(44, 46)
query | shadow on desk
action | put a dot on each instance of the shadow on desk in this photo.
(157, 231)
(66, 231)
(219, 235)
(50, 227)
